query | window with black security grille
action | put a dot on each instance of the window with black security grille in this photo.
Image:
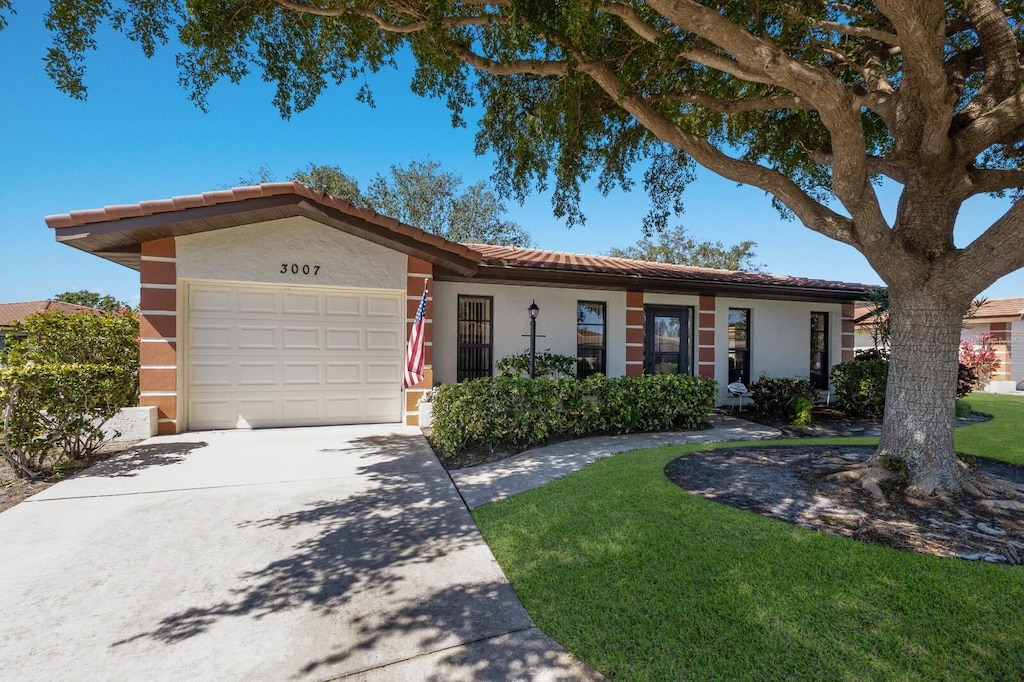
(475, 342)
(819, 351)
(739, 345)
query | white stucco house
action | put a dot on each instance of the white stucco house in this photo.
(277, 305)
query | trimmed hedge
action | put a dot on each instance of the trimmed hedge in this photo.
(788, 400)
(515, 413)
(860, 386)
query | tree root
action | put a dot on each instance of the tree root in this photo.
(997, 494)
(869, 474)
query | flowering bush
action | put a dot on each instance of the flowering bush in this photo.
(978, 355)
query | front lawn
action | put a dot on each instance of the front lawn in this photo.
(1002, 436)
(647, 582)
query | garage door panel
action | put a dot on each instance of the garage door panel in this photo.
(383, 340)
(343, 373)
(383, 373)
(256, 338)
(301, 338)
(380, 306)
(301, 304)
(210, 301)
(256, 302)
(344, 305)
(212, 374)
(293, 357)
(257, 374)
(343, 339)
(216, 337)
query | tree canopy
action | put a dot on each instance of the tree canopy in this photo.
(813, 101)
(678, 247)
(93, 299)
(421, 194)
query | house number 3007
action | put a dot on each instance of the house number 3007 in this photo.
(297, 268)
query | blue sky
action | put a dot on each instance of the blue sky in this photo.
(138, 137)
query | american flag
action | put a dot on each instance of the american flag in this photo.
(414, 357)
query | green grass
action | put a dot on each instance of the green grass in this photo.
(1002, 436)
(646, 582)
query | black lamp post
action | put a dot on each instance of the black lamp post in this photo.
(533, 310)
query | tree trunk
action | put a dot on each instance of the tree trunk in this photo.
(920, 412)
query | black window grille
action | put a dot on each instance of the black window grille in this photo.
(819, 350)
(739, 345)
(475, 346)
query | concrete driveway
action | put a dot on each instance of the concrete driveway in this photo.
(288, 554)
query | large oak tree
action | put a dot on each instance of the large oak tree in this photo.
(810, 100)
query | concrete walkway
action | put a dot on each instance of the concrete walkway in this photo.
(485, 483)
(290, 554)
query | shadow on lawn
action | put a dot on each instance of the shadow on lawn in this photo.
(375, 541)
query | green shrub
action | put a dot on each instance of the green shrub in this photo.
(860, 386)
(64, 376)
(782, 399)
(514, 413)
(55, 412)
(545, 364)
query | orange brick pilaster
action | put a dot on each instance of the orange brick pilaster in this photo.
(419, 270)
(706, 338)
(634, 333)
(158, 343)
(848, 332)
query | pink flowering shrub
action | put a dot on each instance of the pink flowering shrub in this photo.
(978, 354)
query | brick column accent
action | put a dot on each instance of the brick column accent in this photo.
(706, 338)
(848, 332)
(417, 271)
(1001, 338)
(158, 323)
(634, 333)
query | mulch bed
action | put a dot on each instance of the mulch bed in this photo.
(14, 489)
(788, 483)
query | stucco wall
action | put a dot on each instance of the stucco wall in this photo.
(556, 323)
(256, 253)
(780, 330)
(780, 336)
(1017, 351)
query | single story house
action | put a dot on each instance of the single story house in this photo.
(278, 305)
(19, 311)
(1001, 318)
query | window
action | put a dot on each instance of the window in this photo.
(591, 325)
(819, 350)
(475, 337)
(739, 345)
(667, 340)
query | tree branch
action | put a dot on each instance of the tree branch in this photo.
(816, 216)
(996, 252)
(383, 24)
(534, 67)
(985, 180)
(992, 127)
(998, 44)
(857, 31)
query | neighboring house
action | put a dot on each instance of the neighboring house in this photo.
(1003, 319)
(278, 305)
(17, 312)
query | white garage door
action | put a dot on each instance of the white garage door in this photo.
(262, 356)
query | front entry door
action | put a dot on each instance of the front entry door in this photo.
(667, 340)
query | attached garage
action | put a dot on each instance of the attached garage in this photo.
(263, 355)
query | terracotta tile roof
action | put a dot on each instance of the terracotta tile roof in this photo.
(165, 217)
(516, 257)
(115, 233)
(1002, 307)
(16, 312)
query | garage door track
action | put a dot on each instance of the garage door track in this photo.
(316, 553)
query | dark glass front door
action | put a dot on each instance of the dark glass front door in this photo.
(667, 340)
